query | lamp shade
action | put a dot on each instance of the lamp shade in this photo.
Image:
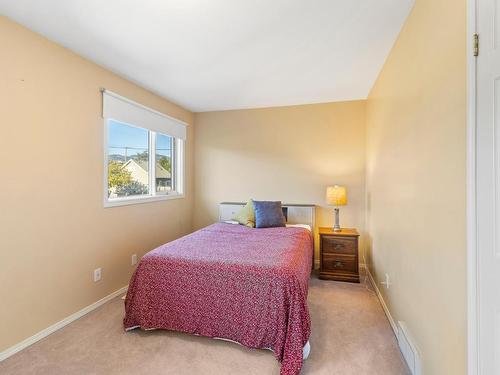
(336, 195)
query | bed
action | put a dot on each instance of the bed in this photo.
(230, 282)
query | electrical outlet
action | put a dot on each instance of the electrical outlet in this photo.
(97, 274)
(134, 259)
(387, 281)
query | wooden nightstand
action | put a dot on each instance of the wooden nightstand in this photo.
(339, 255)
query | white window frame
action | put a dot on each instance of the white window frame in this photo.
(178, 164)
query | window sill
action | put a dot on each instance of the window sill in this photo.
(139, 200)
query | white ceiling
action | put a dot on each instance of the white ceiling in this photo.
(227, 54)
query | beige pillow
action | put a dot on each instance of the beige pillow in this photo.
(247, 215)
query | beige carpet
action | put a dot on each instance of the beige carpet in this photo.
(350, 335)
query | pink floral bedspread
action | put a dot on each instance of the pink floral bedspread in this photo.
(232, 282)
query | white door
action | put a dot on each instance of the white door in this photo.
(488, 186)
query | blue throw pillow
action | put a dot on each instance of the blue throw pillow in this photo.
(268, 214)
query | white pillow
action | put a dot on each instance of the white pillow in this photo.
(305, 226)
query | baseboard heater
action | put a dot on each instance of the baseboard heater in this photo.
(408, 349)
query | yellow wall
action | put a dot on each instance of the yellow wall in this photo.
(416, 179)
(54, 230)
(286, 153)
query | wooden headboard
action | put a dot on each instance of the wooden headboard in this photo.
(294, 213)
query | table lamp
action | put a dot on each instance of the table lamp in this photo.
(336, 196)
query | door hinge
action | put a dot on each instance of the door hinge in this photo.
(476, 45)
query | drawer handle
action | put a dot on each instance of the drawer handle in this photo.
(338, 246)
(338, 264)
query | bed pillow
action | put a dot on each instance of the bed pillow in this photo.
(268, 214)
(246, 216)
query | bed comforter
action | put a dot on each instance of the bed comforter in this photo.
(231, 282)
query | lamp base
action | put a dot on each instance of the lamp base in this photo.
(336, 227)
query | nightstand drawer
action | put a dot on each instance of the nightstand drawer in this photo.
(339, 255)
(338, 262)
(339, 245)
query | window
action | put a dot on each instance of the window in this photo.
(143, 153)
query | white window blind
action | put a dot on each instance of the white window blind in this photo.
(121, 109)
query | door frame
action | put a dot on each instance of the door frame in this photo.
(472, 251)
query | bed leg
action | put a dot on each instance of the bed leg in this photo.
(306, 350)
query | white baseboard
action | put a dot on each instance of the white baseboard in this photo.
(47, 331)
(382, 302)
